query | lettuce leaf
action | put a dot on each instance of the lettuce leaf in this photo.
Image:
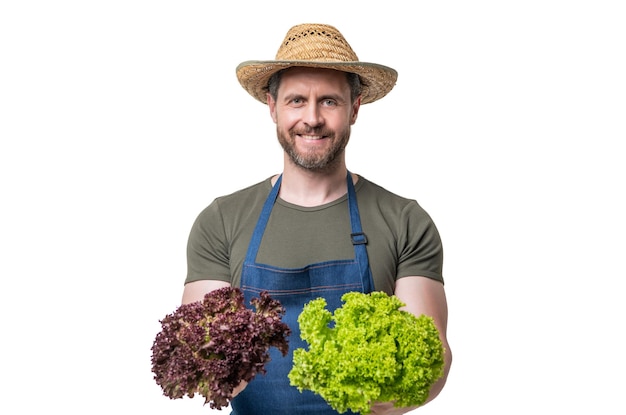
(368, 351)
(209, 347)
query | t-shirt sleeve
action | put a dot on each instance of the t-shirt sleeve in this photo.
(207, 251)
(419, 245)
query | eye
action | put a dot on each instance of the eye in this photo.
(329, 103)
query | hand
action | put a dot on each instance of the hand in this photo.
(387, 408)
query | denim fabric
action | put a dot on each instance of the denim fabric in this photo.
(271, 393)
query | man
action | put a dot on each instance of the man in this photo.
(316, 229)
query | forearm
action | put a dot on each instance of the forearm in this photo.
(425, 296)
(195, 291)
(440, 383)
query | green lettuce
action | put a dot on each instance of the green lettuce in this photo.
(368, 351)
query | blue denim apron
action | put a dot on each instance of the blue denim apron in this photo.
(271, 394)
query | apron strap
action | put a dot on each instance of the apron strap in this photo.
(359, 239)
(259, 229)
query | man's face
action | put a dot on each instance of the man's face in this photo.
(313, 113)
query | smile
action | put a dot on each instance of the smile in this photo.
(312, 137)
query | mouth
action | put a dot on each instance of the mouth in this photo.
(311, 137)
(313, 134)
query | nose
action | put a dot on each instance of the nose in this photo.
(312, 116)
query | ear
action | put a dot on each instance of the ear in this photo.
(272, 106)
(356, 105)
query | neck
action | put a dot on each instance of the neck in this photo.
(313, 188)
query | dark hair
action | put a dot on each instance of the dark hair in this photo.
(354, 81)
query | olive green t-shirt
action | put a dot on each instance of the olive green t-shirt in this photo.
(402, 238)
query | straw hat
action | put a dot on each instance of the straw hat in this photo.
(316, 46)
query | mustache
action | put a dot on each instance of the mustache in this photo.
(313, 131)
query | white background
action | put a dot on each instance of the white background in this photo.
(121, 120)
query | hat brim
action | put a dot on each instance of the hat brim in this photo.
(377, 79)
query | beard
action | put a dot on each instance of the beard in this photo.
(314, 160)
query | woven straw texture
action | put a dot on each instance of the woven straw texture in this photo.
(316, 46)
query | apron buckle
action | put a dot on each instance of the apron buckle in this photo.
(358, 238)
